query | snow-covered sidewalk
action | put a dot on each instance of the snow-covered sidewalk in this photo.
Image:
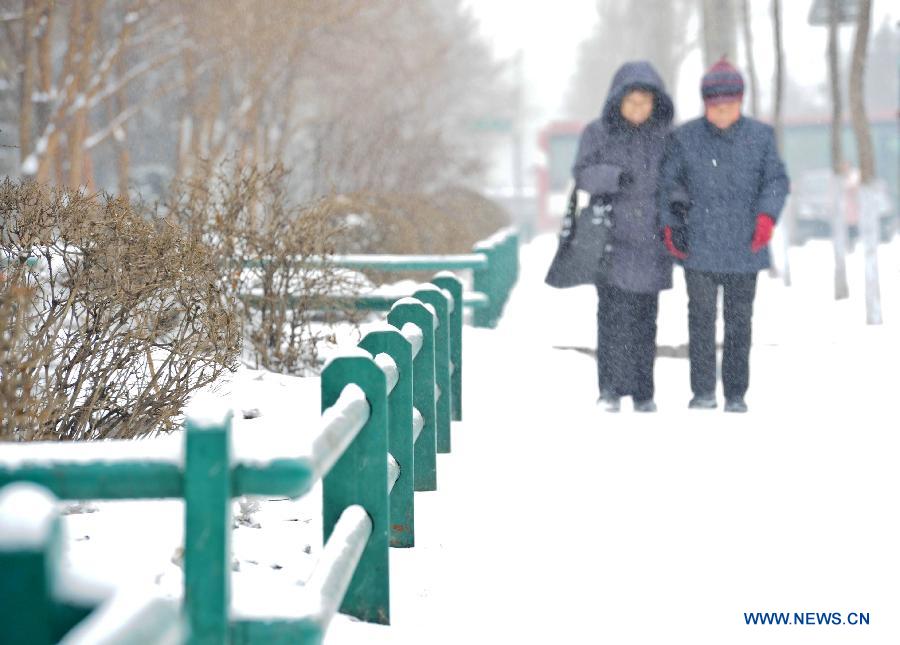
(555, 522)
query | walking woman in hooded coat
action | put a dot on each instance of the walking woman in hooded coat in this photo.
(618, 163)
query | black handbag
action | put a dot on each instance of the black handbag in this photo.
(582, 256)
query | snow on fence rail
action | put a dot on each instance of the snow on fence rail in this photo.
(494, 263)
(387, 408)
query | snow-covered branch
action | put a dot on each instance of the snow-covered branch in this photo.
(133, 74)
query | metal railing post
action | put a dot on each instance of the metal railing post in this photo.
(409, 310)
(432, 295)
(28, 565)
(448, 281)
(360, 477)
(484, 281)
(400, 433)
(207, 527)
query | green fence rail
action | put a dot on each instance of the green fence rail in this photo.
(37, 609)
(387, 408)
(494, 263)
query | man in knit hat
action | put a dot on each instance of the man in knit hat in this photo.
(729, 167)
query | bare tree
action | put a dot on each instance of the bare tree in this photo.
(746, 18)
(838, 217)
(777, 118)
(395, 101)
(73, 56)
(624, 32)
(862, 132)
(350, 92)
(26, 76)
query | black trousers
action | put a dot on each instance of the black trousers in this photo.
(739, 292)
(626, 341)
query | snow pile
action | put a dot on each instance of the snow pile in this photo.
(26, 517)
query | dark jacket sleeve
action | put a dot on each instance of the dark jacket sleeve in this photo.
(671, 184)
(775, 184)
(591, 174)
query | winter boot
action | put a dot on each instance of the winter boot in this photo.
(645, 406)
(609, 401)
(703, 402)
(735, 404)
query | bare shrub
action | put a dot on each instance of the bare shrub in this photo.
(446, 222)
(19, 359)
(475, 217)
(273, 259)
(127, 319)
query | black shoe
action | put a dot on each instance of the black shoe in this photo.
(645, 406)
(735, 404)
(609, 401)
(703, 402)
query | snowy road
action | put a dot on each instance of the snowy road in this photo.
(555, 522)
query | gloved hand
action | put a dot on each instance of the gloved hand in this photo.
(676, 242)
(763, 232)
(625, 179)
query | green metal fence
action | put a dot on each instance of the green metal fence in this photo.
(387, 409)
(498, 278)
(494, 263)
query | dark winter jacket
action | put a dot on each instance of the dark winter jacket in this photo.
(609, 147)
(730, 176)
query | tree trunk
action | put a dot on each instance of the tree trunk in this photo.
(838, 217)
(26, 79)
(778, 90)
(719, 31)
(751, 59)
(50, 164)
(120, 136)
(77, 133)
(857, 104)
(45, 66)
(787, 220)
(867, 201)
(186, 135)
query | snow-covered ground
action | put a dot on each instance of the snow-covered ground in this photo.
(555, 522)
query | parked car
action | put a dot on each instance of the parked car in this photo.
(812, 205)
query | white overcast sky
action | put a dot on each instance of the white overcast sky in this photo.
(548, 33)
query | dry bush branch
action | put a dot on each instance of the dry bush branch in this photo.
(128, 318)
(19, 359)
(449, 221)
(272, 258)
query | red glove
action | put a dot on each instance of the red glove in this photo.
(763, 232)
(674, 251)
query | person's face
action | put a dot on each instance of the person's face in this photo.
(637, 106)
(724, 115)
